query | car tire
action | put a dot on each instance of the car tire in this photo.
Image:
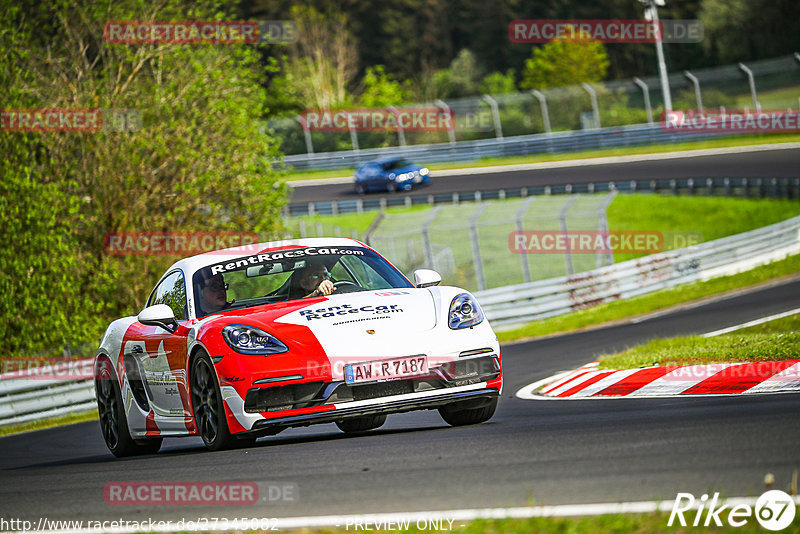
(391, 187)
(454, 415)
(113, 423)
(361, 424)
(208, 407)
(360, 189)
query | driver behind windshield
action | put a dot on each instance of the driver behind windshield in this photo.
(213, 294)
(312, 280)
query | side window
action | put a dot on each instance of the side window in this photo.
(172, 292)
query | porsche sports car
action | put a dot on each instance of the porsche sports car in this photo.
(236, 344)
(390, 174)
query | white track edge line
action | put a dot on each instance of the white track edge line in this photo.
(562, 510)
(754, 322)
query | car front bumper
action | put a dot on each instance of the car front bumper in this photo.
(477, 394)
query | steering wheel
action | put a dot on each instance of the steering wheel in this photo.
(346, 286)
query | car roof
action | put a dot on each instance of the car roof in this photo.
(386, 160)
(191, 264)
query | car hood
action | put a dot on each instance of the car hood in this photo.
(368, 323)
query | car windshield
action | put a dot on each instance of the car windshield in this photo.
(289, 274)
(396, 164)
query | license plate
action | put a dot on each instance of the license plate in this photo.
(386, 369)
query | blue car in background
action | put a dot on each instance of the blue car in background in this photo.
(390, 174)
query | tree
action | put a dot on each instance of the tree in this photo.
(460, 79)
(197, 163)
(323, 63)
(498, 83)
(380, 90)
(565, 62)
(741, 30)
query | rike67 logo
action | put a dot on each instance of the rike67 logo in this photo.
(774, 510)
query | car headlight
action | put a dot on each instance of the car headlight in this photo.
(251, 340)
(401, 177)
(464, 312)
(424, 171)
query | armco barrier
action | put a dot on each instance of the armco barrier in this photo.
(26, 400)
(513, 305)
(782, 187)
(29, 400)
(556, 142)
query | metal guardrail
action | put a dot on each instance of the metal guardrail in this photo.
(740, 187)
(25, 400)
(544, 143)
(514, 305)
(50, 391)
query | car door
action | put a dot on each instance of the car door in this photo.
(160, 356)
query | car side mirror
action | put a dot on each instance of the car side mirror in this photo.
(426, 278)
(159, 315)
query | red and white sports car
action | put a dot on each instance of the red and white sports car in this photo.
(248, 341)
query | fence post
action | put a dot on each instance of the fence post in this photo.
(373, 226)
(646, 94)
(426, 240)
(562, 217)
(593, 96)
(451, 134)
(696, 83)
(401, 135)
(307, 133)
(751, 80)
(543, 105)
(526, 269)
(476, 250)
(353, 134)
(498, 128)
(602, 226)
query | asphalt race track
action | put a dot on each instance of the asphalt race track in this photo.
(764, 164)
(531, 452)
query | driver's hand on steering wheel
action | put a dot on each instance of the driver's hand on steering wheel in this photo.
(325, 287)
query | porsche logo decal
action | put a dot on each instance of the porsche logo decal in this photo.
(370, 331)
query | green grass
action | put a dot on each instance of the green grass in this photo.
(775, 99)
(542, 158)
(772, 341)
(347, 222)
(50, 422)
(713, 217)
(652, 302)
